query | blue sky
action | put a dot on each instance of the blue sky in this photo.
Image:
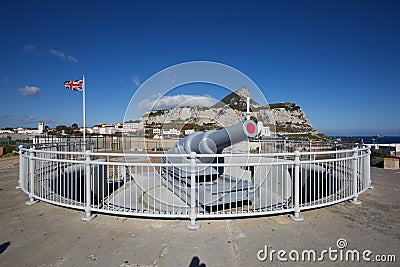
(338, 60)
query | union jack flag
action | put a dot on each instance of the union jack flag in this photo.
(76, 85)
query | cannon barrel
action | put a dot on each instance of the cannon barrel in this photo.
(212, 142)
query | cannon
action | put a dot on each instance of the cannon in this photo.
(213, 142)
(213, 187)
(210, 142)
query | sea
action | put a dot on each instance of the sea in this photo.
(370, 139)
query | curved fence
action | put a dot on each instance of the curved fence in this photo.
(227, 185)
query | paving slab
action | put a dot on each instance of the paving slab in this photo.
(49, 235)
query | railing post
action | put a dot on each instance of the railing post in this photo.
(368, 168)
(355, 178)
(284, 145)
(92, 146)
(88, 215)
(193, 224)
(32, 170)
(21, 167)
(296, 216)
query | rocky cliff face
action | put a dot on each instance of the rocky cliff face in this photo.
(290, 118)
(281, 117)
(237, 100)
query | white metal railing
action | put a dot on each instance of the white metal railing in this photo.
(146, 185)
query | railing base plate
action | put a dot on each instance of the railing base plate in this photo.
(298, 218)
(355, 202)
(86, 219)
(31, 202)
(190, 226)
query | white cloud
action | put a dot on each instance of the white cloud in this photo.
(50, 121)
(62, 55)
(29, 48)
(27, 119)
(29, 90)
(168, 102)
(170, 77)
(5, 116)
(136, 81)
(157, 95)
(5, 79)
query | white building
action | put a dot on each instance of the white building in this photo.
(263, 130)
(119, 125)
(171, 131)
(137, 125)
(40, 127)
(88, 130)
(107, 130)
(157, 131)
(132, 126)
(26, 131)
(104, 129)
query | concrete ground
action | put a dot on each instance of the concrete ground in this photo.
(48, 235)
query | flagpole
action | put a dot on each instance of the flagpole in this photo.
(84, 113)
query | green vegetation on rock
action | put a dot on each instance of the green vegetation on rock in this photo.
(286, 105)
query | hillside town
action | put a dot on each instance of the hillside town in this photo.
(136, 127)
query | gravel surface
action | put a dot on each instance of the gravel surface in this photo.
(9, 162)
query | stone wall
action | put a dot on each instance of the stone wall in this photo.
(391, 163)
